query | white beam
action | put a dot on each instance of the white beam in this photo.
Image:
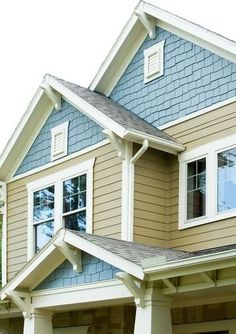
(71, 254)
(54, 96)
(23, 301)
(134, 289)
(149, 24)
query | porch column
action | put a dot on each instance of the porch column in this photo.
(155, 315)
(40, 322)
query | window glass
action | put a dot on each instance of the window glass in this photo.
(74, 203)
(196, 188)
(43, 214)
(226, 177)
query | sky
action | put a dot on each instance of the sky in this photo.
(71, 38)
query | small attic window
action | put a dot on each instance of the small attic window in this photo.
(153, 62)
(59, 139)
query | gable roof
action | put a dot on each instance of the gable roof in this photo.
(102, 110)
(142, 262)
(134, 34)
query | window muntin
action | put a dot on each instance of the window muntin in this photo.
(226, 180)
(196, 188)
(78, 208)
(43, 216)
(74, 203)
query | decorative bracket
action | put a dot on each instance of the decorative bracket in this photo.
(206, 277)
(149, 24)
(116, 142)
(73, 255)
(54, 96)
(170, 285)
(23, 301)
(137, 291)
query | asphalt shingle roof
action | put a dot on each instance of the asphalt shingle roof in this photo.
(131, 251)
(116, 112)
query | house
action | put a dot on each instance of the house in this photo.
(120, 198)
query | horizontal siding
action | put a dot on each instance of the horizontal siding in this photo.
(151, 199)
(192, 133)
(207, 127)
(106, 210)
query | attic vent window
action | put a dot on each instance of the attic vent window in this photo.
(59, 141)
(153, 62)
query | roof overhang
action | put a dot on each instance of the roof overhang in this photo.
(135, 32)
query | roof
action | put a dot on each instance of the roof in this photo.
(113, 110)
(135, 259)
(134, 34)
(102, 110)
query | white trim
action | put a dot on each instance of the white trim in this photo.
(56, 179)
(209, 151)
(3, 210)
(209, 326)
(104, 254)
(188, 30)
(109, 291)
(86, 108)
(56, 162)
(158, 50)
(197, 113)
(62, 130)
(127, 194)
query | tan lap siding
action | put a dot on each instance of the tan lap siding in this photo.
(106, 209)
(192, 133)
(150, 199)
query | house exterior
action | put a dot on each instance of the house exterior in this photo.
(120, 210)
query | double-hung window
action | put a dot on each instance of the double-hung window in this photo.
(207, 183)
(61, 199)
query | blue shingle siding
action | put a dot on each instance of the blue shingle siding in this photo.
(193, 79)
(82, 133)
(93, 270)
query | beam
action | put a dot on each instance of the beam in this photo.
(71, 254)
(137, 291)
(23, 301)
(54, 96)
(149, 24)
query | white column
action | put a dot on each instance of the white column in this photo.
(39, 323)
(155, 317)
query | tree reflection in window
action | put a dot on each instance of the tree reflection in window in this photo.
(226, 180)
(74, 203)
(43, 216)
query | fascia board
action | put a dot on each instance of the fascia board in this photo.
(104, 255)
(86, 108)
(193, 32)
(189, 266)
(154, 142)
(21, 125)
(113, 52)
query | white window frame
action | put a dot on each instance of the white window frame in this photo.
(57, 179)
(60, 129)
(209, 151)
(156, 48)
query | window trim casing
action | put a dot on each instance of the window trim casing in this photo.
(57, 179)
(209, 151)
(158, 47)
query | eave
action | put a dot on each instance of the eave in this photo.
(190, 31)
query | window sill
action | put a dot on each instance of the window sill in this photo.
(207, 220)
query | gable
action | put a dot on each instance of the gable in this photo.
(93, 270)
(82, 133)
(194, 78)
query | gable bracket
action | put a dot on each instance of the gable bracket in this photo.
(71, 254)
(23, 301)
(149, 24)
(54, 96)
(116, 142)
(208, 279)
(137, 291)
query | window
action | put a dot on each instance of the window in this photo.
(62, 199)
(153, 62)
(59, 141)
(207, 183)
